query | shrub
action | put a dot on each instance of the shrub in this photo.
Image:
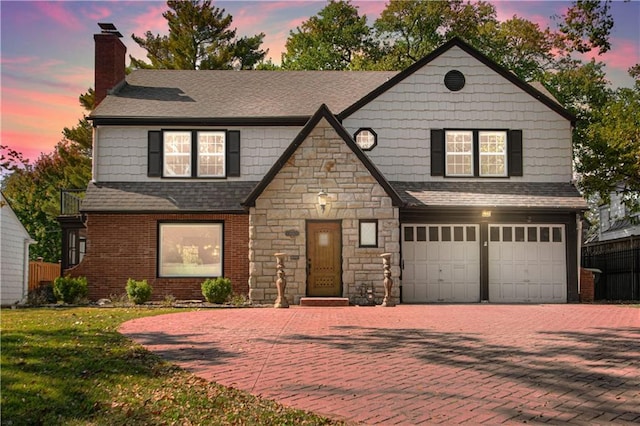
(138, 291)
(216, 290)
(41, 295)
(70, 290)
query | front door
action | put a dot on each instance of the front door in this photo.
(324, 259)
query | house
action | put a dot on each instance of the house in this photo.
(454, 166)
(14, 256)
(615, 251)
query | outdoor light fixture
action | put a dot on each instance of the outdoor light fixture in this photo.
(486, 213)
(322, 199)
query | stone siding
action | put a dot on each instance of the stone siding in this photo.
(322, 162)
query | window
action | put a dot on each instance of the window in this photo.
(493, 153)
(366, 139)
(369, 233)
(193, 154)
(211, 154)
(459, 146)
(477, 153)
(178, 148)
(190, 249)
(177, 154)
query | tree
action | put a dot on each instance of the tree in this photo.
(409, 30)
(586, 26)
(331, 40)
(609, 158)
(199, 38)
(34, 189)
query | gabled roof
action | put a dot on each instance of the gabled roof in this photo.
(323, 112)
(539, 93)
(232, 97)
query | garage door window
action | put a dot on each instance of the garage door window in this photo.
(532, 234)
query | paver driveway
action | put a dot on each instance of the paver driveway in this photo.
(417, 364)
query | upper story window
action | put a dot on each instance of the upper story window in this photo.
(459, 146)
(179, 151)
(366, 139)
(194, 153)
(476, 153)
(493, 153)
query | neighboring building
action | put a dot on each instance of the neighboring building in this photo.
(14, 256)
(454, 166)
(615, 252)
(617, 221)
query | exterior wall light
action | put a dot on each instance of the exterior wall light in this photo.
(322, 199)
(486, 213)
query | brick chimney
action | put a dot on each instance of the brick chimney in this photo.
(109, 61)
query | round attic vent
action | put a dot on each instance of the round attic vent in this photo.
(454, 80)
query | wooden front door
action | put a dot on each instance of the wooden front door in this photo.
(324, 259)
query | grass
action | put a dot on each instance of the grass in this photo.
(72, 367)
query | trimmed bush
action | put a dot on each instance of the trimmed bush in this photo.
(70, 290)
(138, 291)
(216, 290)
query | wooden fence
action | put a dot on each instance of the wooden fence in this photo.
(40, 271)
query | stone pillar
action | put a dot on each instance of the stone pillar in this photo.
(388, 282)
(281, 282)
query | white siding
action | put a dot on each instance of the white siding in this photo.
(122, 151)
(14, 259)
(403, 116)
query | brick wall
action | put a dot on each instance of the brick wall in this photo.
(122, 246)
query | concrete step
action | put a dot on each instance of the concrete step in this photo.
(324, 301)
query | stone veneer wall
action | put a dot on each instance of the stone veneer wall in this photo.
(322, 161)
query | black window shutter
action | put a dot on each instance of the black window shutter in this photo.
(154, 150)
(515, 153)
(437, 152)
(233, 153)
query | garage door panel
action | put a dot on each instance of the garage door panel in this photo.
(451, 267)
(527, 263)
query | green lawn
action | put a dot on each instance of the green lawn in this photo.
(71, 367)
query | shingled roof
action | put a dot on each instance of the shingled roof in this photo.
(166, 197)
(175, 94)
(543, 195)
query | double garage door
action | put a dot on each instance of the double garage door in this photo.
(525, 263)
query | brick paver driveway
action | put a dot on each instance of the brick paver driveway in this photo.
(418, 364)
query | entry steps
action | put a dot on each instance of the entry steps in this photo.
(324, 301)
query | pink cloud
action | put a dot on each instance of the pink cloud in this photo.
(30, 144)
(372, 9)
(21, 60)
(58, 12)
(152, 20)
(98, 13)
(624, 54)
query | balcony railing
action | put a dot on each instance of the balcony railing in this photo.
(70, 200)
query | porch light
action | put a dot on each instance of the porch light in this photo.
(322, 199)
(486, 213)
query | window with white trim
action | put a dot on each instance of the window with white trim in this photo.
(211, 154)
(493, 153)
(179, 147)
(476, 153)
(459, 152)
(177, 154)
(190, 249)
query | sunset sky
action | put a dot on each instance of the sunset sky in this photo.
(46, 50)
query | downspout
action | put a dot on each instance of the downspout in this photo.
(579, 226)
(94, 154)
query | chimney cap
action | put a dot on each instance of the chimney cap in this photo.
(109, 28)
